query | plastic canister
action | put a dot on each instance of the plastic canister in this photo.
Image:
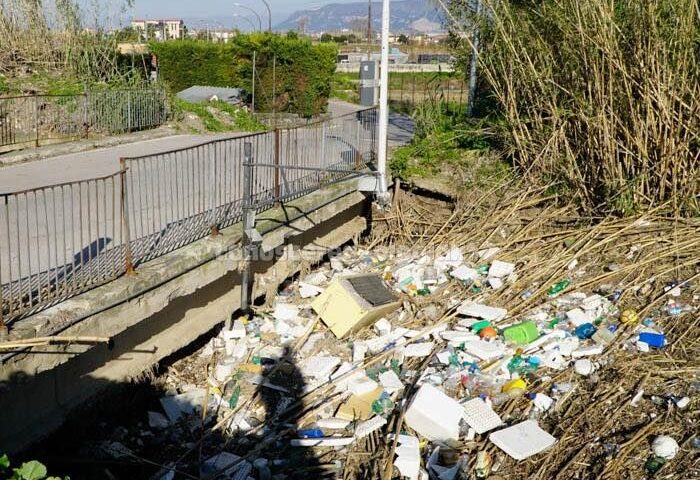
(654, 340)
(585, 331)
(522, 333)
(514, 386)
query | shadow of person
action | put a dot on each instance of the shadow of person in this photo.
(281, 393)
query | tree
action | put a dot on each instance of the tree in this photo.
(326, 37)
(403, 39)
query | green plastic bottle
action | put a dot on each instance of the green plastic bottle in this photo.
(654, 464)
(559, 287)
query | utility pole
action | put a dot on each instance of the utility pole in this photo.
(474, 62)
(384, 101)
(369, 30)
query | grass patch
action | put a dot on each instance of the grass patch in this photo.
(446, 139)
(345, 87)
(219, 116)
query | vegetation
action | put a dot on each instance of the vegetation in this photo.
(27, 471)
(345, 86)
(46, 43)
(600, 97)
(296, 71)
(444, 137)
(218, 116)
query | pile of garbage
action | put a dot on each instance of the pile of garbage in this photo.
(410, 355)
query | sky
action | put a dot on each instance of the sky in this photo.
(221, 9)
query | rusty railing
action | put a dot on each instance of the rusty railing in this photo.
(62, 240)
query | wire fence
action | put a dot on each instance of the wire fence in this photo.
(43, 118)
(62, 240)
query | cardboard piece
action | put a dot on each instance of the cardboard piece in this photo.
(359, 407)
(345, 310)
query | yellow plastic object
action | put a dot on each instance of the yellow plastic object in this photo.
(517, 384)
(629, 317)
(345, 311)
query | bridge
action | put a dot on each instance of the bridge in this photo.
(147, 251)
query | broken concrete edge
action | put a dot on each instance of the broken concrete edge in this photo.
(275, 225)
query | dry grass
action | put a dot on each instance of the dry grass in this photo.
(600, 435)
(51, 37)
(603, 96)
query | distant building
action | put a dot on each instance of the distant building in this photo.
(222, 36)
(160, 29)
(427, 58)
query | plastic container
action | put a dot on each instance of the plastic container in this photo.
(522, 333)
(629, 317)
(654, 340)
(603, 336)
(558, 287)
(585, 331)
(478, 326)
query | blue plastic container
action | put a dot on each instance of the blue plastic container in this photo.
(654, 340)
(585, 331)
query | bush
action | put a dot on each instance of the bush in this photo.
(601, 96)
(301, 77)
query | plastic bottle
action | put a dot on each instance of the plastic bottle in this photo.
(603, 336)
(383, 404)
(310, 433)
(558, 287)
(585, 331)
(674, 308)
(526, 294)
(654, 464)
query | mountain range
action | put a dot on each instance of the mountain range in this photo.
(407, 16)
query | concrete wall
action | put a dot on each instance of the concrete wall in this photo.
(166, 306)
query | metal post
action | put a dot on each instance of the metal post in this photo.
(86, 114)
(274, 91)
(278, 153)
(128, 110)
(2, 301)
(384, 100)
(252, 109)
(358, 156)
(36, 120)
(473, 63)
(248, 225)
(369, 30)
(129, 257)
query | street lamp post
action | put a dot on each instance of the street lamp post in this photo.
(269, 15)
(257, 15)
(250, 22)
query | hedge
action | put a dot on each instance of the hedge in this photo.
(303, 73)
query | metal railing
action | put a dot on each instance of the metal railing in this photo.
(62, 240)
(40, 118)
